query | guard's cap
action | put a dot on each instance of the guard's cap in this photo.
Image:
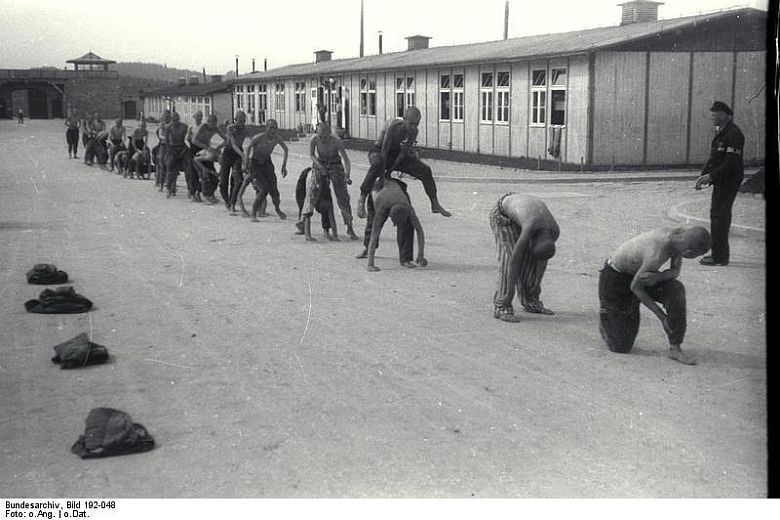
(720, 106)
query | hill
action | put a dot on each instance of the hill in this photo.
(154, 71)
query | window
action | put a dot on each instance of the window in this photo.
(457, 97)
(502, 97)
(399, 97)
(279, 97)
(538, 97)
(486, 98)
(367, 97)
(445, 93)
(300, 96)
(363, 97)
(404, 94)
(262, 102)
(251, 100)
(410, 92)
(239, 97)
(372, 97)
(558, 97)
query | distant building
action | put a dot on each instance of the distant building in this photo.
(633, 94)
(48, 92)
(188, 97)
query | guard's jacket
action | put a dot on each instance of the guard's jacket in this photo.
(725, 166)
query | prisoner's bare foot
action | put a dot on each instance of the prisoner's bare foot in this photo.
(509, 318)
(363, 253)
(437, 208)
(372, 269)
(263, 214)
(678, 355)
(361, 211)
(538, 309)
(408, 265)
(310, 238)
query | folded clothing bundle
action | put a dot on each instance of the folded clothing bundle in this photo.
(111, 432)
(46, 274)
(63, 300)
(79, 352)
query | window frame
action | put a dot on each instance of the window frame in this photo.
(557, 87)
(445, 89)
(279, 98)
(458, 99)
(538, 95)
(486, 97)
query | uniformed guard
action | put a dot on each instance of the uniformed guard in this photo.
(724, 171)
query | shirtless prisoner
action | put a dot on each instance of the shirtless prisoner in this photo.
(326, 152)
(391, 200)
(162, 151)
(206, 155)
(116, 138)
(140, 158)
(72, 124)
(258, 164)
(394, 150)
(191, 175)
(525, 233)
(632, 275)
(230, 174)
(175, 134)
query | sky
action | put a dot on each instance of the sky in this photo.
(199, 34)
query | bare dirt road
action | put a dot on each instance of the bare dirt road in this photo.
(265, 366)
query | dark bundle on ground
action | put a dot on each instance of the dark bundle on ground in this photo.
(111, 432)
(46, 274)
(63, 300)
(79, 352)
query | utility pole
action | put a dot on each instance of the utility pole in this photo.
(361, 28)
(506, 20)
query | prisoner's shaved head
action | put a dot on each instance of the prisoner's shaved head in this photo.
(697, 241)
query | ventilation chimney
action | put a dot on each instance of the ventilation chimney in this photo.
(417, 42)
(322, 56)
(216, 78)
(638, 11)
(182, 82)
(194, 80)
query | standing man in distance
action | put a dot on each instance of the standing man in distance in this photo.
(72, 134)
(724, 171)
(175, 134)
(191, 174)
(230, 174)
(160, 165)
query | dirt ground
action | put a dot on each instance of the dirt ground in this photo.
(265, 366)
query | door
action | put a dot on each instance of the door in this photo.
(38, 103)
(130, 110)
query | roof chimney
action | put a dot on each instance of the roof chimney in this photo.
(638, 11)
(322, 56)
(216, 78)
(182, 81)
(194, 80)
(417, 42)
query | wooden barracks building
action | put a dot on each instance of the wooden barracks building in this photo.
(633, 94)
